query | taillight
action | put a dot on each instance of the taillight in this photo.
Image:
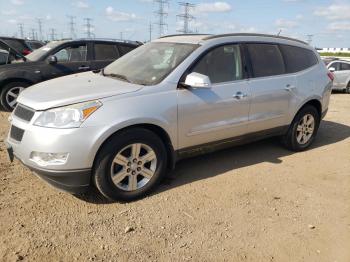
(26, 52)
(331, 76)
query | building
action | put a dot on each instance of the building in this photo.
(334, 50)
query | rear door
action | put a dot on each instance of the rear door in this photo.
(271, 87)
(104, 54)
(341, 74)
(71, 58)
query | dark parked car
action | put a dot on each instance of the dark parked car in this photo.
(58, 58)
(34, 44)
(18, 44)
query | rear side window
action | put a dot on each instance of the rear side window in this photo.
(125, 49)
(18, 45)
(344, 66)
(222, 64)
(106, 52)
(297, 58)
(266, 60)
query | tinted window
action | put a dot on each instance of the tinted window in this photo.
(72, 54)
(344, 66)
(106, 52)
(297, 58)
(222, 64)
(18, 45)
(336, 66)
(3, 57)
(266, 60)
(125, 49)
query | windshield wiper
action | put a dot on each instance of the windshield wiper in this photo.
(122, 77)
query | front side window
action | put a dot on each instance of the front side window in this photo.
(266, 60)
(149, 64)
(222, 64)
(124, 49)
(72, 53)
(106, 52)
(297, 58)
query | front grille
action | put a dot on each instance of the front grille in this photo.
(24, 113)
(16, 133)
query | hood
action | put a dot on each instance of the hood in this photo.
(73, 89)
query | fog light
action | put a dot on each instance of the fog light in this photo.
(45, 159)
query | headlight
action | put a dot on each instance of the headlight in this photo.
(68, 116)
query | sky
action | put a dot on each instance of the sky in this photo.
(328, 21)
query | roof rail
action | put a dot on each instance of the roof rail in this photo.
(109, 39)
(253, 34)
(181, 35)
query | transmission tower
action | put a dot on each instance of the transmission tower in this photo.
(53, 34)
(21, 31)
(72, 26)
(162, 14)
(186, 16)
(40, 22)
(88, 27)
(309, 39)
(32, 34)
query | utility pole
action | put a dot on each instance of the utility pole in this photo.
(21, 31)
(40, 22)
(309, 39)
(186, 16)
(72, 26)
(88, 27)
(33, 34)
(53, 34)
(150, 31)
(162, 14)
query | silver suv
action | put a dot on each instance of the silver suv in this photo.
(122, 128)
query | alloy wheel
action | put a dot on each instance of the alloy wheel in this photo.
(12, 95)
(133, 167)
(305, 129)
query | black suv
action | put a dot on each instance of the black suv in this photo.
(58, 58)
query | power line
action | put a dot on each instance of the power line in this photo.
(72, 26)
(162, 14)
(40, 21)
(21, 31)
(186, 16)
(88, 27)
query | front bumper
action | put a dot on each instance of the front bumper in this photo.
(71, 181)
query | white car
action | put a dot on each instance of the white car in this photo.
(341, 72)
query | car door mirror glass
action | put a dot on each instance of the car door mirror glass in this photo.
(332, 69)
(52, 59)
(197, 80)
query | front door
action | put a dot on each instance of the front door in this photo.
(212, 114)
(70, 59)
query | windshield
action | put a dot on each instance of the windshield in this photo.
(150, 63)
(37, 54)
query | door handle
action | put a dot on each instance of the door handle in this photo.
(239, 95)
(289, 87)
(84, 67)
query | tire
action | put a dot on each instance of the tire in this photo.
(9, 94)
(299, 136)
(115, 177)
(347, 90)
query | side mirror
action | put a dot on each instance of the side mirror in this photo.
(197, 80)
(52, 60)
(331, 69)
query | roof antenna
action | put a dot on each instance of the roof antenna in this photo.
(279, 32)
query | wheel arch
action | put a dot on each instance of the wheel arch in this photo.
(159, 131)
(15, 79)
(313, 102)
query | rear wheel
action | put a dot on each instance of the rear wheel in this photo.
(303, 129)
(347, 90)
(10, 93)
(130, 165)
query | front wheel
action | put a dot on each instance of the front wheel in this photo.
(130, 164)
(10, 93)
(347, 90)
(303, 129)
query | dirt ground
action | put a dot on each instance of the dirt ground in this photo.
(257, 202)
